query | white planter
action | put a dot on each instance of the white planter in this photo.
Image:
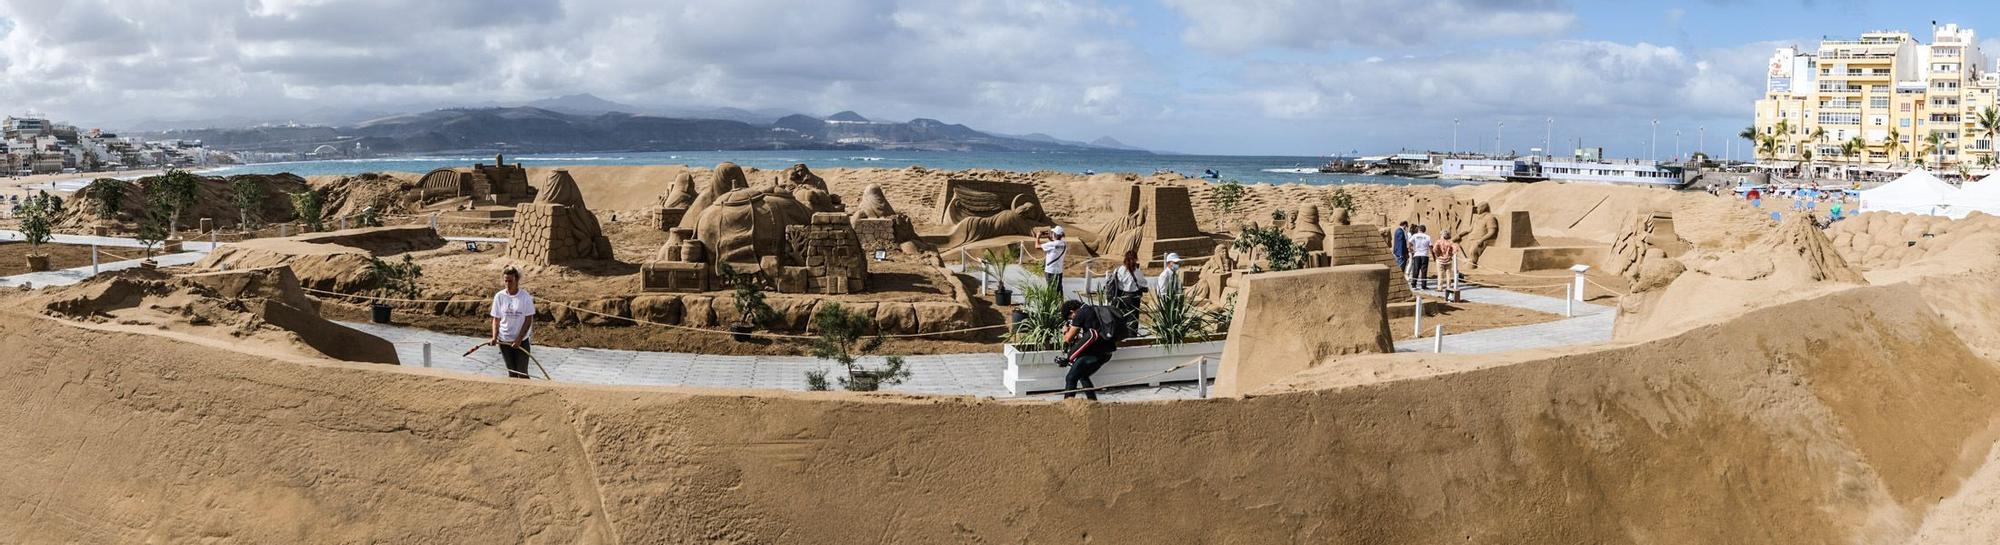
(1029, 372)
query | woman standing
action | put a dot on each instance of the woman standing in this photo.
(1127, 285)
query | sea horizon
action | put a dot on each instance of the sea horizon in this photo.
(1249, 169)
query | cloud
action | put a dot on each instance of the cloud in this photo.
(1569, 77)
(1245, 25)
(998, 61)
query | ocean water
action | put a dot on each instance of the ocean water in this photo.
(1248, 169)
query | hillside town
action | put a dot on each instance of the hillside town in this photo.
(36, 145)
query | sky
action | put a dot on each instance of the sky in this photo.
(1243, 77)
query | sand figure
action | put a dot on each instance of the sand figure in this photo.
(727, 177)
(874, 204)
(809, 189)
(744, 226)
(1019, 220)
(680, 192)
(1338, 216)
(557, 226)
(1306, 230)
(1485, 229)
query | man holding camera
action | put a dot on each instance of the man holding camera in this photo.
(1089, 340)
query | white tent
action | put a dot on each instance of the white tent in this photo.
(1915, 193)
(1983, 195)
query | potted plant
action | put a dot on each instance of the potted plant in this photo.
(995, 263)
(398, 280)
(1033, 346)
(751, 311)
(840, 338)
(35, 226)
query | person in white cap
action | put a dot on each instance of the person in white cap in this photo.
(1170, 278)
(1053, 251)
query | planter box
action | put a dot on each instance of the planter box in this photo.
(1029, 372)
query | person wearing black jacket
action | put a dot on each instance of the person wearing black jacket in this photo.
(1126, 287)
(1089, 342)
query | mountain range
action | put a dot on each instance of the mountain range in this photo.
(588, 123)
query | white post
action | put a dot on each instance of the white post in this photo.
(427, 354)
(1579, 270)
(983, 280)
(1201, 378)
(1568, 303)
(211, 240)
(343, 222)
(1417, 312)
(93, 260)
(284, 229)
(1437, 340)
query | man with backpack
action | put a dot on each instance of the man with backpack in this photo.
(1092, 335)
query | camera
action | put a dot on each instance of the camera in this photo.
(1062, 361)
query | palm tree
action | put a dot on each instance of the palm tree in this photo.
(1848, 149)
(1936, 145)
(1769, 146)
(1749, 133)
(1893, 144)
(1988, 123)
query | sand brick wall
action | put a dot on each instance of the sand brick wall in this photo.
(543, 234)
(1364, 245)
(834, 260)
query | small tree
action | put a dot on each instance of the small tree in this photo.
(996, 261)
(841, 339)
(175, 191)
(152, 228)
(1225, 196)
(400, 279)
(36, 225)
(109, 194)
(1280, 250)
(1339, 199)
(247, 196)
(749, 302)
(307, 205)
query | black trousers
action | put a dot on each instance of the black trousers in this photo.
(516, 358)
(1080, 371)
(1054, 279)
(1420, 270)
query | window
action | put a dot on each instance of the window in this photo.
(1878, 102)
(1904, 122)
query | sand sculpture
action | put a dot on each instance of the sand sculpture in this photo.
(963, 199)
(340, 261)
(1649, 236)
(1485, 229)
(881, 227)
(674, 203)
(1153, 221)
(498, 182)
(1518, 250)
(1272, 337)
(1211, 279)
(1306, 229)
(1364, 244)
(557, 227)
(262, 306)
(726, 178)
(1021, 219)
(791, 232)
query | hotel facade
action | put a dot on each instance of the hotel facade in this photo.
(1907, 103)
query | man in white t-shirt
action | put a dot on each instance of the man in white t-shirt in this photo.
(1170, 277)
(513, 323)
(1420, 259)
(1053, 251)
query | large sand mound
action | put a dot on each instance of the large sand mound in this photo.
(1599, 212)
(260, 310)
(1843, 429)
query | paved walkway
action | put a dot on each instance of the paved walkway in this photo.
(1589, 323)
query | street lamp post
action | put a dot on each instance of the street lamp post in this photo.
(1496, 138)
(1677, 144)
(1549, 140)
(1454, 136)
(1654, 154)
(1701, 141)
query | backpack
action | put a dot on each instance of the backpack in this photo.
(1109, 325)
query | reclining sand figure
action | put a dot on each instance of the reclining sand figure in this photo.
(809, 189)
(1020, 220)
